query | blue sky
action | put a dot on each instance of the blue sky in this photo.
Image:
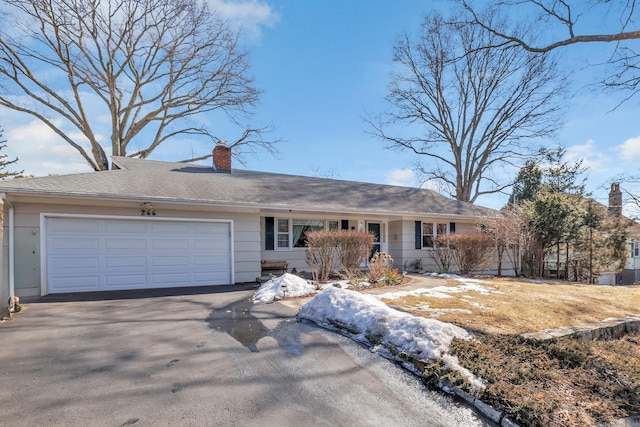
(322, 65)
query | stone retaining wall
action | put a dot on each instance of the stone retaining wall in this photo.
(606, 329)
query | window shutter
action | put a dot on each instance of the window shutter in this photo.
(418, 234)
(452, 227)
(344, 224)
(269, 232)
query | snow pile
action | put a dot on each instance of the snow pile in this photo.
(391, 332)
(296, 287)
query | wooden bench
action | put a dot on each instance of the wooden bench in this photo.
(267, 266)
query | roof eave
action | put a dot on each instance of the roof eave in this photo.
(237, 205)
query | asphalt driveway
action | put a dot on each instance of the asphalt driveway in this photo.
(199, 357)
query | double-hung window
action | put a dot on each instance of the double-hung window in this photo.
(283, 233)
(426, 232)
(292, 233)
(635, 249)
(427, 235)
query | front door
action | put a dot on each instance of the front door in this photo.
(374, 229)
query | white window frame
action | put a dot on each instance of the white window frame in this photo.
(290, 242)
(635, 249)
(278, 233)
(434, 233)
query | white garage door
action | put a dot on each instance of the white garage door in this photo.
(85, 254)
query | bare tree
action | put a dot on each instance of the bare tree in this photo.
(154, 67)
(565, 18)
(505, 231)
(468, 109)
(4, 161)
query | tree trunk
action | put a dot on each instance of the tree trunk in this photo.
(558, 260)
(566, 262)
(590, 256)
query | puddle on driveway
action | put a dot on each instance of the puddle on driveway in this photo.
(237, 321)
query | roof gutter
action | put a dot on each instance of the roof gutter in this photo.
(11, 250)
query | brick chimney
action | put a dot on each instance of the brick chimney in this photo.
(615, 200)
(222, 158)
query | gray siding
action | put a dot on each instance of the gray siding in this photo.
(27, 238)
(395, 244)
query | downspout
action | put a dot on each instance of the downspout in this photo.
(12, 290)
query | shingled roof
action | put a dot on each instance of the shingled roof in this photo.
(178, 182)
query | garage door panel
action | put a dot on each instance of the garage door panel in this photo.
(172, 279)
(208, 260)
(75, 283)
(169, 228)
(125, 243)
(74, 244)
(138, 262)
(211, 244)
(87, 254)
(75, 263)
(210, 229)
(170, 244)
(126, 227)
(170, 261)
(209, 277)
(80, 226)
(125, 281)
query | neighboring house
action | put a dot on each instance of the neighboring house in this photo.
(153, 224)
(631, 273)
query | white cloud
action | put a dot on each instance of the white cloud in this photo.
(250, 15)
(591, 157)
(402, 177)
(630, 149)
(41, 152)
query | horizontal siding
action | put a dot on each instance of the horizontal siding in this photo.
(27, 237)
(407, 236)
(297, 258)
(395, 244)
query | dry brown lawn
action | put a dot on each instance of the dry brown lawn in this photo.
(559, 382)
(516, 306)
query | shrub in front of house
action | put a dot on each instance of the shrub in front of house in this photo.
(471, 251)
(441, 253)
(381, 271)
(328, 249)
(354, 249)
(322, 254)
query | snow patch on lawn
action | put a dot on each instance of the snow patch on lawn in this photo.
(468, 285)
(437, 292)
(466, 280)
(390, 332)
(437, 312)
